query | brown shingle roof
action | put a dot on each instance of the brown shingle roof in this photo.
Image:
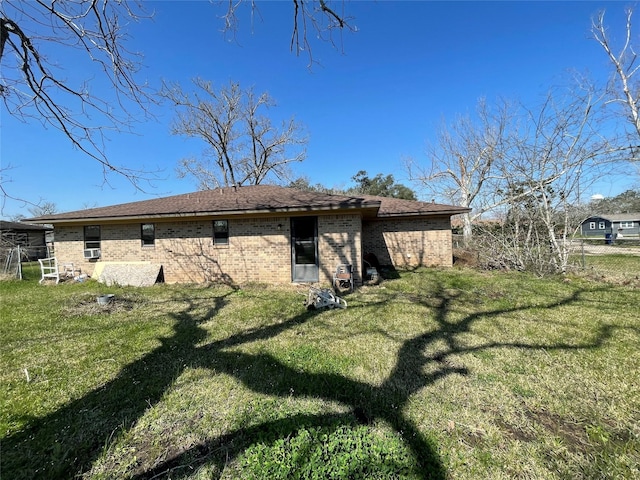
(250, 199)
(391, 207)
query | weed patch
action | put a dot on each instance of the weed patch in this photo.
(344, 451)
(86, 304)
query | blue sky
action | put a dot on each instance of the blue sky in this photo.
(376, 99)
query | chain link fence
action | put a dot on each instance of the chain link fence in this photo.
(603, 258)
(11, 263)
(614, 259)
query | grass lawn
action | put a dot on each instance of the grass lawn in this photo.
(437, 374)
(612, 266)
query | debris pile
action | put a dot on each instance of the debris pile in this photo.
(323, 298)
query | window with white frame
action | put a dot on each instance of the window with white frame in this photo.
(601, 225)
(592, 225)
(626, 224)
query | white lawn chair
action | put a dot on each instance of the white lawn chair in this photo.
(49, 269)
(69, 271)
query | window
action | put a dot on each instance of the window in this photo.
(601, 225)
(592, 225)
(220, 232)
(92, 236)
(148, 234)
(626, 224)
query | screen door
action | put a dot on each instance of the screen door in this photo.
(304, 249)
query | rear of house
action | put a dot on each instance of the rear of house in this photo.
(256, 234)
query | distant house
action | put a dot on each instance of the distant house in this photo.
(615, 224)
(32, 238)
(257, 233)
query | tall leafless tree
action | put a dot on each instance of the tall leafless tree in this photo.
(528, 166)
(243, 145)
(463, 163)
(623, 88)
(559, 153)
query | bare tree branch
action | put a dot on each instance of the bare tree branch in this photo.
(623, 87)
(34, 87)
(317, 19)
(92, 34)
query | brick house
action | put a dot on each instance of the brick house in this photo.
(256, 233)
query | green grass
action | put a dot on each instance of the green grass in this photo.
(613, 265)
(436, 374)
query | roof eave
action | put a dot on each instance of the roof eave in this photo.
(456, 211)
(373, 206)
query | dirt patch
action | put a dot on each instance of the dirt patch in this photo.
(514, 432)
(473, 438)
(465, 258)
(87, 304)
(573, 434)
(623, 279)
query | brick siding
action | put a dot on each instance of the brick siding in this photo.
(406, 243)
(259, 249)
(339, 242)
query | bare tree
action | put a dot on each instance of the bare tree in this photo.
(463, 163)
(529, 167)
(559, 152)
(43, 208)
(243, 146)
(623, 88)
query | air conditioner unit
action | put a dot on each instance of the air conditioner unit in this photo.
(91, 253)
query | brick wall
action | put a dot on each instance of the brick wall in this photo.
(409, 243)
(68, 247)
(259, 248)
(339, 242)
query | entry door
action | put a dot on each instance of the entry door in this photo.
(304, 249)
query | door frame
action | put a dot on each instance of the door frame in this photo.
(304, 247)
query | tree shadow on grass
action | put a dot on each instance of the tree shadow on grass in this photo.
(367, 403)
(65, 443)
